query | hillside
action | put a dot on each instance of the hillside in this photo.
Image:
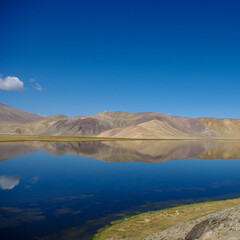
(222, 126)
(36, 127)
(118, 125)
(131, 125)
(10, 116)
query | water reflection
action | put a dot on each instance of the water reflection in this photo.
(123, 151)
(11, 149)
(8, 182)
(13, 216)
(61, 196)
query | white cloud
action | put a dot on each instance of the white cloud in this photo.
(11, 83)
(38, 87)
(8, 182)
(35, 84)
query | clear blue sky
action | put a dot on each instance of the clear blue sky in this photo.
(177, 57)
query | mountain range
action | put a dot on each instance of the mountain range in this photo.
(117, 124)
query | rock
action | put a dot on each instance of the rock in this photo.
(198, 230)
(222, 225)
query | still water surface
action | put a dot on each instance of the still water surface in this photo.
(69, 190)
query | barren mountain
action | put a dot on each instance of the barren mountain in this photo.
(131, 125)
(10, 116)
(222, 126)
(118, 125)
(36, 127)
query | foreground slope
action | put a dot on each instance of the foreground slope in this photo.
(218, 220)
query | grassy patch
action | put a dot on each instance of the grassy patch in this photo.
(140, 226)
(45, 138)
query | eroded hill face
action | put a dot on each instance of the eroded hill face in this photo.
(227, 127)
(118, 125)
(36, 127)
(121, 125)
(157, 125)
(10, 116)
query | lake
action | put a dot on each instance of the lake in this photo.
(68, 190)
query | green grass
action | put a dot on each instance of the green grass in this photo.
(142, 225)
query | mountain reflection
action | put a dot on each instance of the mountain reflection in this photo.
(14, 149)
(122, 151)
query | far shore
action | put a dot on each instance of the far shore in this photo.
(48, 138)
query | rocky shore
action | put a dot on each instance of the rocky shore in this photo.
(210, 220)
(221, 225)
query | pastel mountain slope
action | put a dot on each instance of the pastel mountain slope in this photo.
(118, 125)
(150, 129)
(130, 125)
(36, 127)
(10, 116)
(222, 126)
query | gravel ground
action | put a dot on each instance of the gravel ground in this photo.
(222, 225)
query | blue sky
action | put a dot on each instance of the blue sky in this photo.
(83, 57)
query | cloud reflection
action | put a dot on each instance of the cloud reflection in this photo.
(8, 182)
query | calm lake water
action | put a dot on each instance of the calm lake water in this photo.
(69, 190)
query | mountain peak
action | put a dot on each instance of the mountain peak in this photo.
(11, 114)
(118, 124)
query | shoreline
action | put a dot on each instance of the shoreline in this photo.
(144, 225)
(46, 138)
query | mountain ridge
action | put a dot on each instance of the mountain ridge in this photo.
(10, 116)
(118, 124)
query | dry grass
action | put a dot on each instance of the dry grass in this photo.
(48, 138)
(142, 225)
(45, 138)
